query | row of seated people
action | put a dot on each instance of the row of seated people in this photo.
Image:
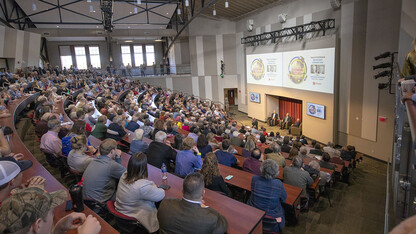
(160, 142)
(123, 125)
(25, 206)
(55, 127)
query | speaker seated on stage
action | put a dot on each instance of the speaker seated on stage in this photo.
(273, 119)
(286, 122)
(295, 125)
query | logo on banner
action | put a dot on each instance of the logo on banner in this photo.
(312, 109)
(297, 70)
(257, 69)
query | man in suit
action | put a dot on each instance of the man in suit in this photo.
(296, 125)
(286, 122)
(159, 152)
(273, 119)
(317, 150)
(190, 215)
(254, 123)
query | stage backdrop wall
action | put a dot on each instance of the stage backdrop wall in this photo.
(319, 129)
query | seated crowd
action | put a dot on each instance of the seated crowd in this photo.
(190, 137)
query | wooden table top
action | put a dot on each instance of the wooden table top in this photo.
(17, 146)
(241, 217)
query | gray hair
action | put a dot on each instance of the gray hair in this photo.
(160, 136)
(117, 119)
(315, 165)
(138, 134)
(297, 161)
(275, 147)
(303, 151)
(53, 123)
(269, 169)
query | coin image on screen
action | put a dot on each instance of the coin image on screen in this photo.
(312, 109)
(297, 70)
(257, 69)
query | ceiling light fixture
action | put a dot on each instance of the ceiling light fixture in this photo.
(214, 12)
(226, 4)
(187, 3)
(88, 0)
(128, 41)
(135, 10)
(159, 40)
(179, 11)
(34, 6)
(91, 8)
(139, 2)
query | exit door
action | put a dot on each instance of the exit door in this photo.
(231, 96)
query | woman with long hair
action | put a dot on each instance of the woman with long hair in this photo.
(212, 177)
(177, 142)
(136, 195)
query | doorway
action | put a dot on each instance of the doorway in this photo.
(230, 96)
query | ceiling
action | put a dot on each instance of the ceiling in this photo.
(236, 8)
(77, 14)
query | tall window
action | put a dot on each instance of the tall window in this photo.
(138, 55)
(66, 57)
(80, 57)
(126, 55)
(150, 54)
(95, 56)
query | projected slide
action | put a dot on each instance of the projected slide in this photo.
(265, 69)
(311, 70)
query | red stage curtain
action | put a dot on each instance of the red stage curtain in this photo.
(291, 106)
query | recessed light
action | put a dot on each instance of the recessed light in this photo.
(57, 26)
(128, 26)
(167, 13)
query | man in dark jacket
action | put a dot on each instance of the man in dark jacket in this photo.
(159, 152)
(190, 215)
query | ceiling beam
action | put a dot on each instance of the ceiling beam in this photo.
(210, 3)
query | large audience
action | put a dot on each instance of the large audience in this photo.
(188, 136)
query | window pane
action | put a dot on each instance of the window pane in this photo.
(126, 59)
(94, 50)
(81, 61)
(95, 61)
(150, 55)
(138, 55)
(95, 56)
(125, 55)
(125, 49)
(66, 61)
(150, 48)
(80, 50)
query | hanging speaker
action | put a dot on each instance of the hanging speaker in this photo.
(250, 24)
(335, 4)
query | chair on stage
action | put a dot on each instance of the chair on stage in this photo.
(296, 131)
